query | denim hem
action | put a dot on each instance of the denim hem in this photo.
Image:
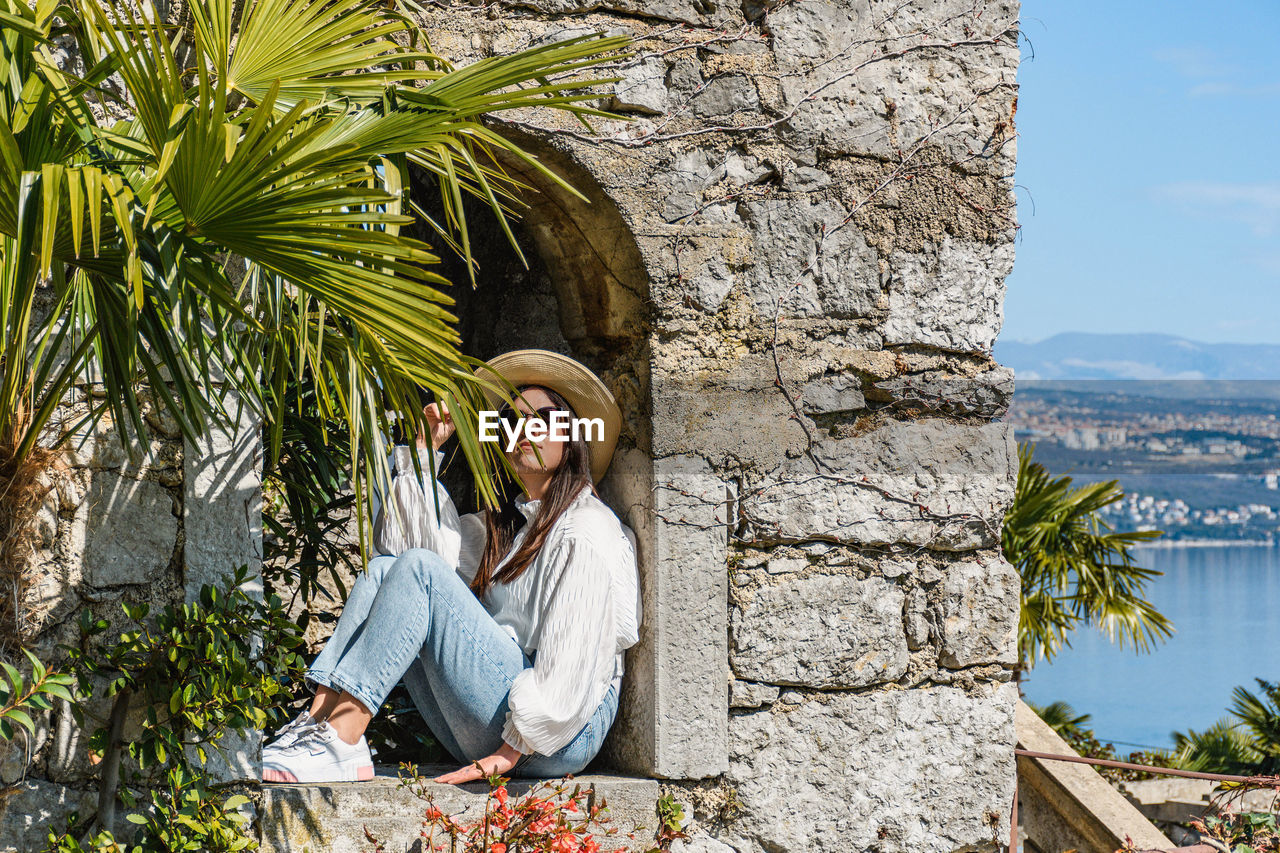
(340, 684)
(314, 683)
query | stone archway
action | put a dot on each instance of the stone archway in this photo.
(584, 294)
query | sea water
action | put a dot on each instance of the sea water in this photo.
(1225, 605)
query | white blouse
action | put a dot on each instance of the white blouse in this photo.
(577, 604)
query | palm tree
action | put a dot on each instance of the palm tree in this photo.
(1249, 745)
(1063, 719)
(240, 214)
(1075, 569)
(1222, 748)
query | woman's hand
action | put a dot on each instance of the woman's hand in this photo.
(500, 762)
(440, 424)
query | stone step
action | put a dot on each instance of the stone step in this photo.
(332, 818)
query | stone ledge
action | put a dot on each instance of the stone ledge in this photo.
(331, 818)
(1070, 806)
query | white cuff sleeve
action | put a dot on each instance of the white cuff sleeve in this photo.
(512, 738)
(409, 520)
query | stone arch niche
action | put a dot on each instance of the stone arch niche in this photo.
(585, 294)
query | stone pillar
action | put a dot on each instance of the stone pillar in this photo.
(222, 476)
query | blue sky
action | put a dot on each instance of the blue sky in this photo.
(1148, 171)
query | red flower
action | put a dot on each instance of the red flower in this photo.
(497, 847)
(501, 795)
(566, 843)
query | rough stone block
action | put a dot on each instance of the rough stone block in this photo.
(223, 504)
(806, 265)
(689, 174)
(979, 612)
(917, 620)
(334, 817)
(820, 631)
(945, 92)
(837, 393)
(642, 87)
(726, 95)
(926, 769)
(700, 842)
(99, 447)
(124, 532)
(696, 12)
(986, 395)
(631, 742)
(31, 806)
(950, 297)
(742, 416)
(751, 694)
(679, 670)
(874, 487)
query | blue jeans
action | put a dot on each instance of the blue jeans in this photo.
(413, 616)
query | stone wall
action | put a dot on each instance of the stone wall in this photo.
(790, 272)
(110, 531)
(137, 525)
(819, 193)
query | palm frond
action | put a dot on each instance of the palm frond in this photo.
(1074, 569)
(245, 223)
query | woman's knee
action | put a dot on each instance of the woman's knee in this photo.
(424, 564)
(378, 567)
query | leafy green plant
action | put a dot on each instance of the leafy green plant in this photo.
(200, 669)
(17, 700)
(73, 839)
(1241, 832)
(233, 216)
(1074, 569)
(308, 503)
(1248, 745)
(670, 822)
(184, 815)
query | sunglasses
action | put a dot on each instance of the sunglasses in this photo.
(513, 416)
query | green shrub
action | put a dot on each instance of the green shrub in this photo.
(216, 665)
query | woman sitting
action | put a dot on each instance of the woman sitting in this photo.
(508, 626)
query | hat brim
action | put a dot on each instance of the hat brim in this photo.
(580, 388)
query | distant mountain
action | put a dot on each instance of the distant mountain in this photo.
(1082, 355)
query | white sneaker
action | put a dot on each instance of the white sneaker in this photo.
(319, 755)
(291, 732)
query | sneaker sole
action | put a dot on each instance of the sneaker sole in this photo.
(363, 774)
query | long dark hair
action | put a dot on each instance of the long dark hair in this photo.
(502, 524)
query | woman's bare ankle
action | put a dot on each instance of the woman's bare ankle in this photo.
(349, 718)
(325, 700)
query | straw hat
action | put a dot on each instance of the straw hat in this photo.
(581, 389)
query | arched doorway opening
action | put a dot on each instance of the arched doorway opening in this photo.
(583, 294)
